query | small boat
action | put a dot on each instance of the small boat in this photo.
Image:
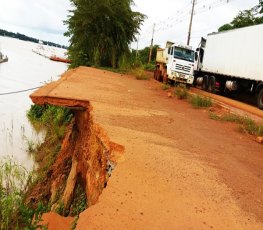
(59, 59)
(3, 58)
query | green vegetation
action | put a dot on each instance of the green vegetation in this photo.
(14, 181)
(12, 187)
(166, 86)
(143, 56)
(181, 93)
(100, 31)
(200, 102)
(139, 73)
(149, 66)
(245, 18)
(53, 118)
(246, 124)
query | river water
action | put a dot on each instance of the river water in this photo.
(23, 70)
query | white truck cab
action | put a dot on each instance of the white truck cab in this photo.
(180, 64)
(175, 63)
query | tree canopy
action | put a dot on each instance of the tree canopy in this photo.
(246, 18)
(100, 31)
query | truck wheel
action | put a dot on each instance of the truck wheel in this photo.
(156, 72)
(260, 99)
(204, 83)
(165, 79)
(211, 84)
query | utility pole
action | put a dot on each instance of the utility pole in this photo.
(151, 47)
(137, 46)
(190, 25)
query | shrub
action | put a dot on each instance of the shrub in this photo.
(149, 66)
(200, 102)
(166, 86)
(13, 182)
(181, 93)
(140, 74)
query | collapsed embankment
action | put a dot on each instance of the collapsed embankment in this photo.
(83, 165)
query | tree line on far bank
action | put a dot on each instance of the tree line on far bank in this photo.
(27, 38)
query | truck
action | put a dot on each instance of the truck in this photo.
(175, 63)
(231, 62)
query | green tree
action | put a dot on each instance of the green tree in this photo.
(246, 18)
(143, 54)
(100, 31)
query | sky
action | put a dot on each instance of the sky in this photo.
(43, 19)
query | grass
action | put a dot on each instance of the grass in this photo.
(181, 93)
(139, 73)
(246, 124)
(200, 102)
(14, 181)
(55, 120)
(166, 86)
(149, 66)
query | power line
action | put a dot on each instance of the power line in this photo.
(183, 15)
(20, 91)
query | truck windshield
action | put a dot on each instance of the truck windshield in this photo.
(184, 54)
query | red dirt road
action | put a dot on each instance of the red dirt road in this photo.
(180, 170)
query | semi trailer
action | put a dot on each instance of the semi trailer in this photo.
(232, 62)
(175, 63)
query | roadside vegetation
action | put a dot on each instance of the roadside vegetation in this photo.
(200, 102)
(181, 93)
(195, 100)
(246, 124)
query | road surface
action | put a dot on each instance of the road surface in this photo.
(180, 169)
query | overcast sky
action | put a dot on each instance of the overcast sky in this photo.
(43, 19)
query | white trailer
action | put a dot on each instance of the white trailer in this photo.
(232, 61)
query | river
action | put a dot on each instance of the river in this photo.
(24, 70)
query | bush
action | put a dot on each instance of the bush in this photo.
(200, 102)
(166, 86)
(50, 116)
(149, 66)
(13, 184)
(181, 93)
(140, 74)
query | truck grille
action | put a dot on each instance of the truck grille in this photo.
(184, 68)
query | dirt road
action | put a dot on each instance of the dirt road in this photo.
(180, 170)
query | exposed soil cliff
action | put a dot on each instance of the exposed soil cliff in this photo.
(83, 164)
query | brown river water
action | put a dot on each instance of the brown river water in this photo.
(24, 70)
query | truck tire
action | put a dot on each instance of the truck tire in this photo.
(205, 83)
(211, 84)
(156, 72)
(260, 99)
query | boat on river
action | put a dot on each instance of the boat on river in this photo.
(3, 58)
(59, 59)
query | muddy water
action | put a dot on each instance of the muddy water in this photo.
(24, 70)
